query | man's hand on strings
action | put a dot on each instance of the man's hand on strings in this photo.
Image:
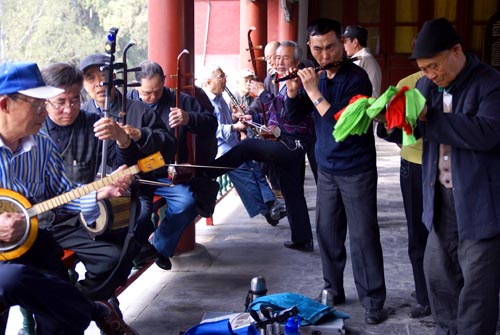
(118, 188)
(12, 227)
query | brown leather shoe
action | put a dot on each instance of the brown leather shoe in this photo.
(112, 324)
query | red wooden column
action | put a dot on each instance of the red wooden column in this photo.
(171, 29)
(288, 21)
(253, 14)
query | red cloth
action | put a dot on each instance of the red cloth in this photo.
(395, 114)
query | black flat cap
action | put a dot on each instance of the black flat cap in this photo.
(356, 32)
(435, 36)
(92, 60)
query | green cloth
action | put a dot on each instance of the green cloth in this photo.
(353, 120)
(358, 115)
(381, 102)
(415, 102)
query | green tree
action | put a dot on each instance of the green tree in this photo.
(47, 31)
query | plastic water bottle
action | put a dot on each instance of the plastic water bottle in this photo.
(292, 326)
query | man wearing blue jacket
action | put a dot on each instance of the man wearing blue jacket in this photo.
(461, 181)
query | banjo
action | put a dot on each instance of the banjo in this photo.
(13, 202)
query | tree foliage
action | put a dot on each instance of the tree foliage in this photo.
(48, 31)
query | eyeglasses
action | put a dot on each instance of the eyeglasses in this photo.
(38, 105)
(60, 106)
(221, 77)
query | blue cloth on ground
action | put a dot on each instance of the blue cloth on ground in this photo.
(310, 311)
(221, 327)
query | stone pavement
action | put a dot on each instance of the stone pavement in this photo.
(242, 248)
(216, 276)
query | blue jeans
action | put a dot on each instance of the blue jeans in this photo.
(181, 211)
(252, 187)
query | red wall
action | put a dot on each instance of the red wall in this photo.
(223, 28)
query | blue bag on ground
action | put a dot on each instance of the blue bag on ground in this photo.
(310, 311)
(221, 327)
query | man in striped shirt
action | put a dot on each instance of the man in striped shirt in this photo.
(31, 166)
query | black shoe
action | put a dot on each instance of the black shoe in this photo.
(375, 316)
(164, 263)
(270, 220)
(147, 254)
(305, 246)
(420, 311)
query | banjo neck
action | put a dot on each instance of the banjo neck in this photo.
(79, 192)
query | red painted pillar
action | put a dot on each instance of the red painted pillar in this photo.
(288, 21)
(253, 14)
(171, 29)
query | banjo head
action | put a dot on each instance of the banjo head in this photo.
(12, 202)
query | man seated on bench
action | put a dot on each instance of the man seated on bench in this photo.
(72, 130)
(182, 119)
(30, 166)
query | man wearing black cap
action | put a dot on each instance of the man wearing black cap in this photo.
(355, 41)
(31, 272)
(461, 181)
(146, 132)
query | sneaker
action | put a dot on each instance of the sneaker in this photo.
(278, 210)
(112, 324)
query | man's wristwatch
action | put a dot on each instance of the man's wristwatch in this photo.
(318, 101)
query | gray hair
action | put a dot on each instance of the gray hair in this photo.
(297, 54)
(209, 72)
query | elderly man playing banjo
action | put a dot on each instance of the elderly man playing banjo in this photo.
(31, 273)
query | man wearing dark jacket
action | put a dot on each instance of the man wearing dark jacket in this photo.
(143, 134)
(182, 119)
(347, 172)
(461, 181)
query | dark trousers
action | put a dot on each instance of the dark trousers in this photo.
(410, 178)
(463, 276)
(99, 257)
(350, 201)
(38, 282)
(311, 158)
(289, 161)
